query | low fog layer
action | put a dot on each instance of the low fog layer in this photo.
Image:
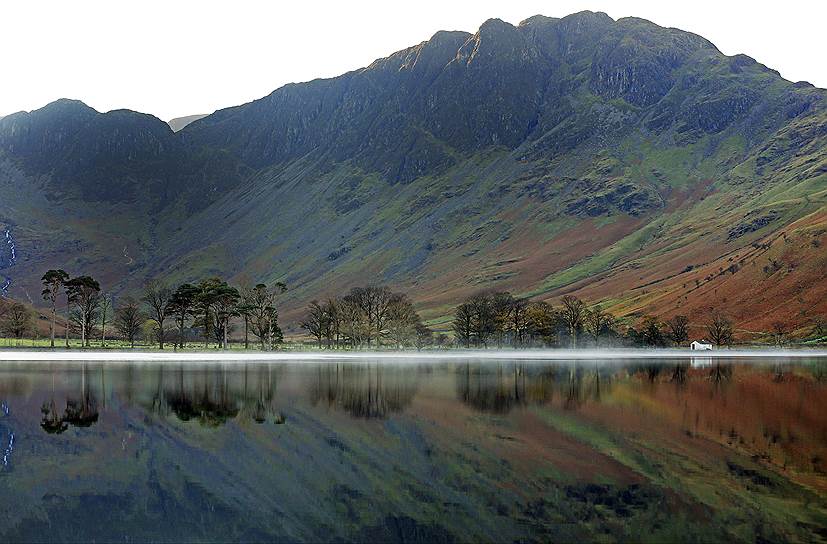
(407, 357)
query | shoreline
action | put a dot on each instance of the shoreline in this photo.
(24, 355)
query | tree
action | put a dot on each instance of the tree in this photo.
(402, 320)
(424, 336)
(157, 297)
(16, 320)
(518, 320)
(370, 307)
(129, 319)
(651, 333)
(463, 324)
(573, 313)
(181, 306)
(542, 322)
(333, 330)
(502, 304)
(84, 293)
(483, 319)
(779, 332)
(678, 329)
(225, 307)
(53, 282)
(105, 314)
(353, 322)
(596, 321)
(263, 313)
(819, 327)
(203, 306)
(720, 329)
(365, 316)
(316, 322)
(245, 311)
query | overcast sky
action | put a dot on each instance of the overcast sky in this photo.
(172, 58)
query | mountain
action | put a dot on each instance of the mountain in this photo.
(621, 161)
(180, 122)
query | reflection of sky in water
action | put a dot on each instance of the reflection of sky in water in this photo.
(643, 449)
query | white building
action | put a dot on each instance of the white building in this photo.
(700, 346)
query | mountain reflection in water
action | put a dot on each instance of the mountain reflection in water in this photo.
(695, 449)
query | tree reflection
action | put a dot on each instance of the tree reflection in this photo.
(720, 373)
(365, 391)
(79, 412)
(257, 396)
(498, 389)
(52, 421)
(206, 398)
(679, 374)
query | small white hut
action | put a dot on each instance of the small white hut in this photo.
(700, 346)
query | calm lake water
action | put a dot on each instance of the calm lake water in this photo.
(671, 450)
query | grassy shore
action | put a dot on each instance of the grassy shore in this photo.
(119, 345)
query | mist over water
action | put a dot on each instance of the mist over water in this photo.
(583, 356)
(446, 449)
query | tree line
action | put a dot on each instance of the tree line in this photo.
(208, 310)
(369, 316)
(500, 319)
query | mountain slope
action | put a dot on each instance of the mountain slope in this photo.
(617, 160)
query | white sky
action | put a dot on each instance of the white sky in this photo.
(176, 57)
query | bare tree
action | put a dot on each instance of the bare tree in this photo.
(542, 322)
(518, 320)
(105, 315)
(596, 321)
(483, 322)
(819, 327)
(157, 297)
(651, 333)
(678, 329)
(720, 329)
(463, 324)
(424, 336)
(17, 320)
(353, 322)
(502, 304)
(333, 330)
(780, 331)
(316, 322)
(402, 320)
(372, 303)
(573, 314)
(263, 313)
(129, 319)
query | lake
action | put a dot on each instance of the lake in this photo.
(678, 449)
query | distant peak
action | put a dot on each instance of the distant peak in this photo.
(536, 20)
(495, 24)
(66, 104)
(448, 35)
(586, 15)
